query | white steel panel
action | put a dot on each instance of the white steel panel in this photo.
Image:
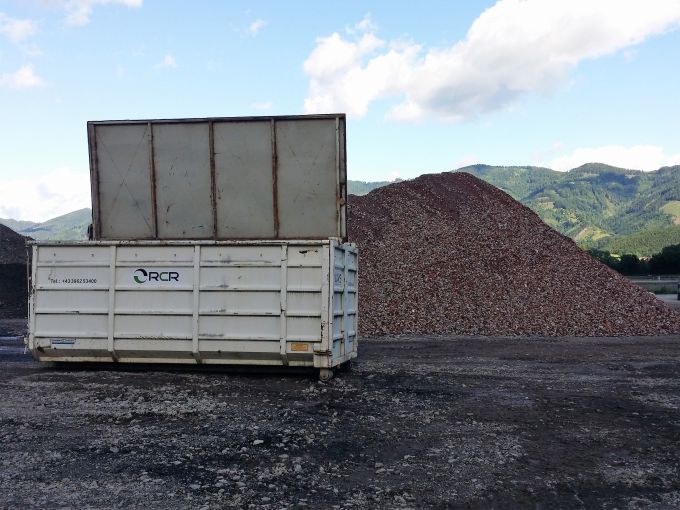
(83, 277)
(123, 203)
(182, 165)
(307, 178)
(304, 278)
(147, 277)
(337, 327)
(81, 255)
(303, 328)
(251, 255)
(140, 326)
(81, 344)
(151, 302)
(255, 303)
(153, 346)
(337, 304)
(155, 254)
(70, 325)
(51, 301)
(239, 327)
(349, 306)
(244, 180)
(301, 303)
(337, 348)
(242, 347)
(247, 278)
(304, 256)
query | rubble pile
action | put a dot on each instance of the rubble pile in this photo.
(450, 253)
(13, 278)
(12, 246)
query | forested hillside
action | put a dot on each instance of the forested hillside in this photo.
(598, 205)
(71, 226)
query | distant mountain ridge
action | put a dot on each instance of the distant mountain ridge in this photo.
(597, 205)
(617, 209)
(71, 226)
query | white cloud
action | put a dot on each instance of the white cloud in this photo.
(256, 26)
(513, 48)
(79, 12)
(22, 78)
(40, 199)
(168, 62)
(638, 157)
(264, 105)
(339, 81)
(365, 25)
(16, 30)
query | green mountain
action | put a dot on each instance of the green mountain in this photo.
(71, 226)
(363, 187)
(598, 205)
(616, 209)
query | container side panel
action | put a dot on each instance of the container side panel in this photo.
(80, 255)
(244, 180)
(65, 301)
(57, 346)
(241, 278)
(150, 326)
(307, 178)
(240, 349)
(166, 347)
(304, 256)
(146, 308)
(149, 276)
(70, 325)
(65, 277)
(154, 302)
(183, 185)
(261, 255)
(304, 279)
(304, 329)
(155, 254)
(125, 198)
(228, 303)
(304, 303)
(239, 327)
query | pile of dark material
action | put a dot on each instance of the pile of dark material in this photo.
(449, 253)
(13, 277)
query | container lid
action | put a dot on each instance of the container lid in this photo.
(278, 177)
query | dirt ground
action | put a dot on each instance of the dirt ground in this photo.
(427, 422)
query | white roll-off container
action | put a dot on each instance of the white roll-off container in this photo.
(215, 241)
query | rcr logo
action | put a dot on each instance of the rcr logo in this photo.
(143, 276)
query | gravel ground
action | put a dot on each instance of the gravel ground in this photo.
(419, 422)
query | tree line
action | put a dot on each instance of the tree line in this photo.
(665, 262)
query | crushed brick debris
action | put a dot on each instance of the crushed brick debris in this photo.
(450, 253)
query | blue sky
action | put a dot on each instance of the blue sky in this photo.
(428, 86)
